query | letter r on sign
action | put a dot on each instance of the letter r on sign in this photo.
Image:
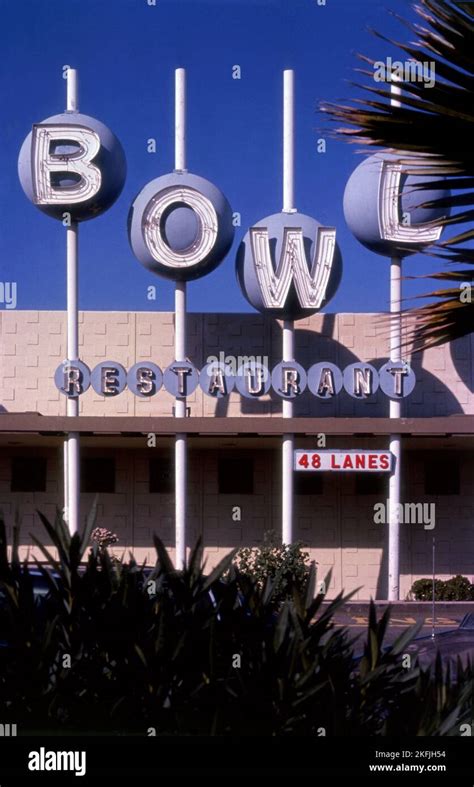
(72, 381)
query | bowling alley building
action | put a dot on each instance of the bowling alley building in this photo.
(234, 443)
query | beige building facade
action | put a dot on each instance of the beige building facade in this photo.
(234, 462)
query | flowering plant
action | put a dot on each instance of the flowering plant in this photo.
(103, 538)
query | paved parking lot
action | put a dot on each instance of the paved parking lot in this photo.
(405, 614)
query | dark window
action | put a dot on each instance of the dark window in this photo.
(98, 474)
(442, 476)
(161, 479)
(28, 474)
(235, 475)
(372, 484)
(309, 483)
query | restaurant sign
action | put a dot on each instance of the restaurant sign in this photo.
(288, 379)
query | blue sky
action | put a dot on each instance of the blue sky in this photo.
(126, 52)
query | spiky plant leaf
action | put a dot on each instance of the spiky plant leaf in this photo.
(436, 126)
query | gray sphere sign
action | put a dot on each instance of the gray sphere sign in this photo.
(72, 163)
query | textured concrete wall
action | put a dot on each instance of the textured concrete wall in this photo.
(33, 344)
(337, 526)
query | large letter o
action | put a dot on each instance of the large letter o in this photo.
(180, 226)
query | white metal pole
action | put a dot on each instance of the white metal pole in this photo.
(181, 439)
(287, 445)
(289, 141)
(180, 119)
(395, 440)
(395, 90)
(180, 337)
(72, 90)
(71, 469)
(395, 412)
(287, 500)
(65, 479)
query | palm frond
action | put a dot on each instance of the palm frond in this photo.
(432, 131)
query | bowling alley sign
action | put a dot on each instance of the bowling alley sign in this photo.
(180, 227)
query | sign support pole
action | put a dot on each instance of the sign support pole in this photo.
(71, 469)
(287, 505)
(180, 336)
(395, 412)
(395, 440)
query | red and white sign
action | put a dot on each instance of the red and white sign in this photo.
(344, 461)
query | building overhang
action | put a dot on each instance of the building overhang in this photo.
(136, 426)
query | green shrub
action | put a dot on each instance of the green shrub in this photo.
(153, 651)
(457, 588)
(422, 590)
(285, 566)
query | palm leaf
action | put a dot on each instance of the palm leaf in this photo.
(436, 126)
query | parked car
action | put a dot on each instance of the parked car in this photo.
(215, 595)
(458, 642)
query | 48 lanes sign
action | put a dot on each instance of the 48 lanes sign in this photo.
(344, 461)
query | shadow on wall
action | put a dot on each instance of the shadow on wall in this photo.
(431, 396)
(310, 348)
(462, 356)
(352, 525)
